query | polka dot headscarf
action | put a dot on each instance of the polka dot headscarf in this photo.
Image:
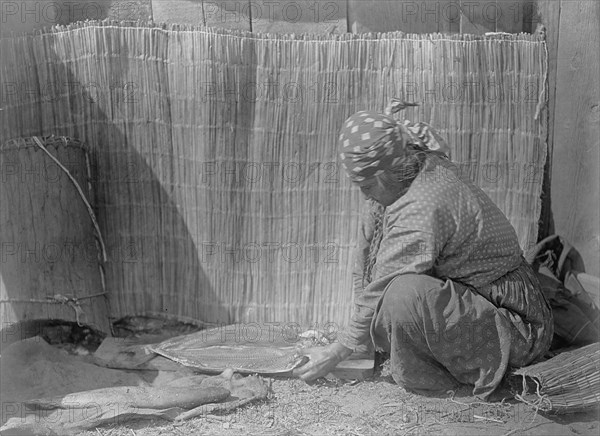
(371, 143)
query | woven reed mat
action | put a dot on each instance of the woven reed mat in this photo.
(220, 191)
(246, 348)
(567, 383)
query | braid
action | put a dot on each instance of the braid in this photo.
(399, 180)
(378, 211)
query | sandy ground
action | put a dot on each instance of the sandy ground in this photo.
(373, 407)
(376, 406)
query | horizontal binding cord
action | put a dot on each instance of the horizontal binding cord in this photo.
(72, 302)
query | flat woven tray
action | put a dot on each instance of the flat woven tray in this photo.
(247, 349)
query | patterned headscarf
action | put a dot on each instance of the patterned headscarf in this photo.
(372, 142)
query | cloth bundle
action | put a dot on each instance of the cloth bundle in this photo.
(576, 315)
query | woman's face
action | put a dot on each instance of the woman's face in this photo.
(373, 189)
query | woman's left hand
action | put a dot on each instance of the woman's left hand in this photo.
(322, 360)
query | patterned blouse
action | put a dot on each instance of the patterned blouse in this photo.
(444, 226)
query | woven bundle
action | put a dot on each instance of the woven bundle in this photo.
(220, 194)
(567, 383)
(51, 251)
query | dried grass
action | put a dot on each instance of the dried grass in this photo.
(372, 407)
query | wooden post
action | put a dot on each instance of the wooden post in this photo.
(576, 144)
(549, 16)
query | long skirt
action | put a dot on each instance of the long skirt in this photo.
(441, 333)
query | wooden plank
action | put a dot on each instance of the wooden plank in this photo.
(429, 16)
(126, 10)
(30, 15)
(549, 17)
(530, 14)
(575, 172)
(226, 14)
(366, 16)
(426, 16)
(478, 17)
(298, 16)
(509, 15)
(357, 369)
(178, 11)
(449, 18)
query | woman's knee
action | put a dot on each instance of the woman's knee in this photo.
(404, 295)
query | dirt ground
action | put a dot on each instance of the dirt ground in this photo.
(375, 406)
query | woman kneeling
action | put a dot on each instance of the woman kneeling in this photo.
(440, 282)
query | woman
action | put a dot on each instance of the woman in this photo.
(440, 281)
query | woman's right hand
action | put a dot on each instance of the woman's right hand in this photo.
(322, 360)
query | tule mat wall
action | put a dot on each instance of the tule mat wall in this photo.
(219, 194)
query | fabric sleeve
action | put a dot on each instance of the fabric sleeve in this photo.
(402, 251)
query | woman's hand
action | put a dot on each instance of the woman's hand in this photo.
(322, 360)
